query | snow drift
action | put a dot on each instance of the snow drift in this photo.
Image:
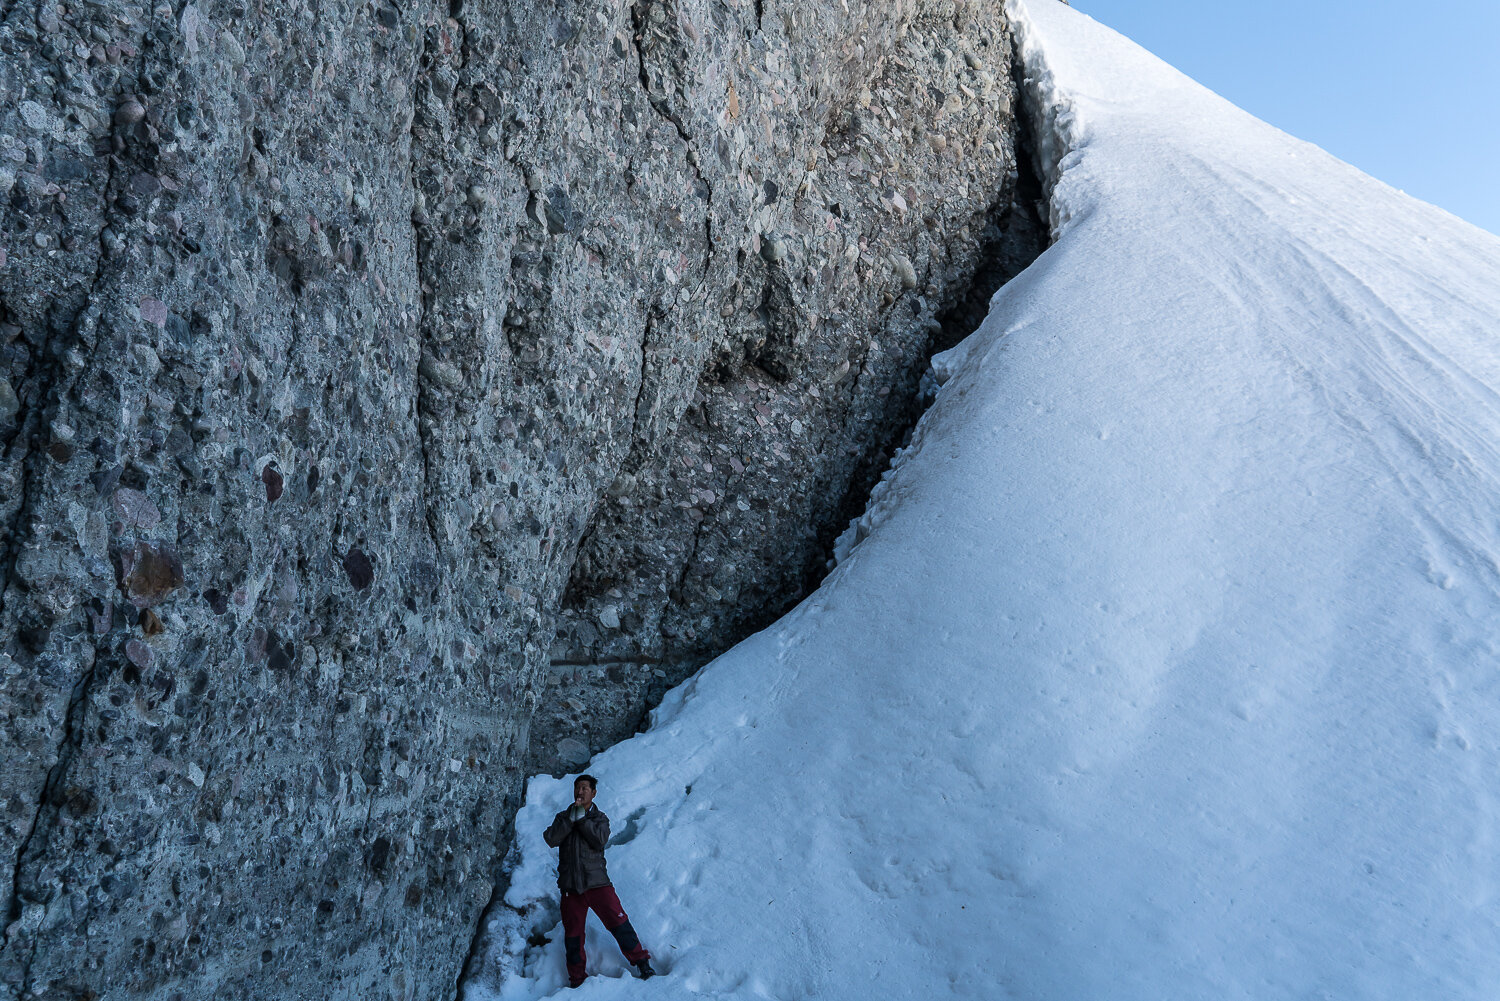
(1166, 667)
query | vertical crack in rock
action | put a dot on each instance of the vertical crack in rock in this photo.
(640, 390)
(692, 554)
(50, 384)
(1014, 233)
(479, 942)
(53, 370)
(640, 13)
(54, 796)
(427, 364)
(41, 380)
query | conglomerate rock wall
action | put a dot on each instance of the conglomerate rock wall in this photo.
(377, 377)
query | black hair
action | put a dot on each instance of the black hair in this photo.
(593, 782)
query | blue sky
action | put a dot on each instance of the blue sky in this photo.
(1409, 93)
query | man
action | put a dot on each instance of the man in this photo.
(579, 834)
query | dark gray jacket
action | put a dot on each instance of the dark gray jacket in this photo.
(580, 849)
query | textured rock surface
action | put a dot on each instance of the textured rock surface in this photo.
(367, 369)
(856, 167)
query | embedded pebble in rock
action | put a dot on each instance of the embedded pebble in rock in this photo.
(149, 574)
(573, 751)
(129, 112)
(154, 311)
(357, 566)
(35, 116)
(440, 372)
(135, 508)
(273, 481)
(419, 368)
(904, 271)
(9, 405)
(138, 653)
(150, 624)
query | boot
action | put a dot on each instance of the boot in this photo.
(644, 969)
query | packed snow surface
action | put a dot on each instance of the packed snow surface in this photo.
(1166, 667)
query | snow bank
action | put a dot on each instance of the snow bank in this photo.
(1166, 664)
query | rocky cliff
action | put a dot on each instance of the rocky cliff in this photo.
(376, 378)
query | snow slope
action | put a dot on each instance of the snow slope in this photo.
(1168, 666)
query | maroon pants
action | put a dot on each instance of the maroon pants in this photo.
(575, 914)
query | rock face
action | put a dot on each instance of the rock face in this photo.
(372, 375)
